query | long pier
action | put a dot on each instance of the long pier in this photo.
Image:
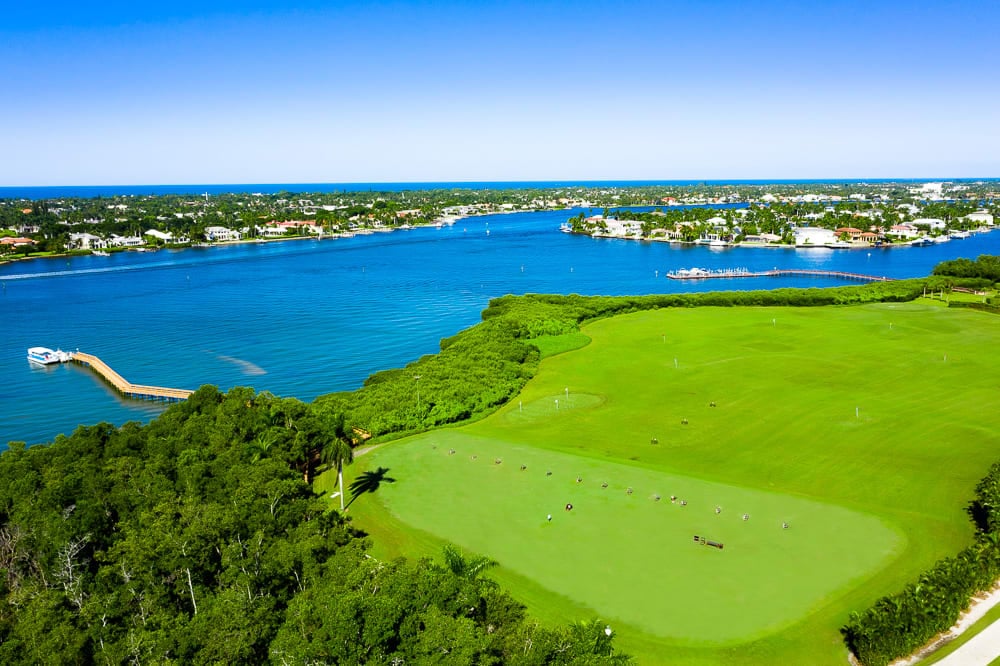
(126, 387)
(700, 274)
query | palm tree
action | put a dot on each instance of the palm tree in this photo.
(468, 568)
(260, 446)
(338, 451)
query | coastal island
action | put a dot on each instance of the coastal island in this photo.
(817, 214)
(923, 214)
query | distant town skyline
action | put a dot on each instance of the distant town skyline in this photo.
(304, 92)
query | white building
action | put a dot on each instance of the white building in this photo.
(87, 242)
(814, 236)
(166, 237)
(980, 217)
(932, 222)
(623, 228)
(906, 231)
(221, 234)
(125, 241)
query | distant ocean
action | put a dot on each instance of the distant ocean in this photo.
(88, 191)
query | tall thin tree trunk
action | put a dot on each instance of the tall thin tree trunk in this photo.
(340, 480)
(191, 588)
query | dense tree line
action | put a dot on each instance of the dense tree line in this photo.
(195, 539)
(898, 625)
(985, 266)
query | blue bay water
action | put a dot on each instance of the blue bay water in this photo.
(304, 318)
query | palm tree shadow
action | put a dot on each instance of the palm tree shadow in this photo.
(979, 514)
(369, 482)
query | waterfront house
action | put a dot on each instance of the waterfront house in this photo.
(623, 228)
(270, 231)
(665, 234)
(125, 241)
(84, 241)
(221, 234)
(166, 237)
(850, 231)
(719, 224)
(932, 222)
(980, 217)
(15, 241)
(814, 236)
(904, 231)
(761, 238)
(299, 227)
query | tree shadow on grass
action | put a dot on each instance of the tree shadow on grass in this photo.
(979, 515)
(369, 482)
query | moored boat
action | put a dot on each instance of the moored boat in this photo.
(46, 356)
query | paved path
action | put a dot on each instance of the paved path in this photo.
(979, 651)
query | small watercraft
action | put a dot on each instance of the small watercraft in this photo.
(45, 356)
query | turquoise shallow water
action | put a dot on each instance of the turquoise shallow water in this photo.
(304, 318)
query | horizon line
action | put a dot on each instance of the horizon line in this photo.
(764, 180)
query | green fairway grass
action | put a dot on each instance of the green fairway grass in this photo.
(630, 555)
(865, 428)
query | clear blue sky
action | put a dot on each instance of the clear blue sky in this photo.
(234, 92)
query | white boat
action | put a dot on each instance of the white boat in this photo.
(101, 253)
(960, 234)
(718, 242)
(45, 356)
(690, 273)
(941, 239)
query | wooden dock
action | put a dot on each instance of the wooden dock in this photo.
(778, 272)
(126, 387)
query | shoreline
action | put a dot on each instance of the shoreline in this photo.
(764, 246)
(449, 220)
